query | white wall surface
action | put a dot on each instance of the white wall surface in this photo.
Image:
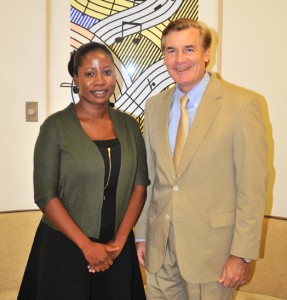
(23, 79)
(208, 13)
(254, 48)
(59, 50)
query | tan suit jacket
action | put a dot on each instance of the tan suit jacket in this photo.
(216, 200)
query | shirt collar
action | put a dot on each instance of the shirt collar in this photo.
(195, 94)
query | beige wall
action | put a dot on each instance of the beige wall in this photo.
(35, 65)
(23, 77)
(59, 37)
(254, 48)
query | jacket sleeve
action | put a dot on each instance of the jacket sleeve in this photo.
(142, 171)
(250, 165)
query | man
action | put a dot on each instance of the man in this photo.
(201, 224)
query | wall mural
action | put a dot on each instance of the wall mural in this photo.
(132, 30)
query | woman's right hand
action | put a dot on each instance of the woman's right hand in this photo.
(98, 256)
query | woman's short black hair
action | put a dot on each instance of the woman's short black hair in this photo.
(76, 56)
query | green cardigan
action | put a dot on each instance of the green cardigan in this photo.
(68, 165)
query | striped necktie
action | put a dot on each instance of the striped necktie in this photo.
(182, 132)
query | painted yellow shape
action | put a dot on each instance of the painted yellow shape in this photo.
(100, 9)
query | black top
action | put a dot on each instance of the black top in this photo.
(111, 153)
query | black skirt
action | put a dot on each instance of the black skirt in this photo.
(57, 270)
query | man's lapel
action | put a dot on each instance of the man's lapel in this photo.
(164, 152)
(205, 116)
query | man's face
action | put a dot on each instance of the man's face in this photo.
(184, 58)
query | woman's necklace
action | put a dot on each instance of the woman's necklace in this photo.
(110, 168)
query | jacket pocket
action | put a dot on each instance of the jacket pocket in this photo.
(222, 220)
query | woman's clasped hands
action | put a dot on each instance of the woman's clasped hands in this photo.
(99, 256)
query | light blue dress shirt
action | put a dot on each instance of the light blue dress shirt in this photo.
(194, 98)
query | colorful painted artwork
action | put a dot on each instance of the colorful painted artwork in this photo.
(132, 31)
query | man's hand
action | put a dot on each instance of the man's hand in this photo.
(235, 272)
(141, 252)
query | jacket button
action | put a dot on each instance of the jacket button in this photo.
(167, 217)
(176, 188)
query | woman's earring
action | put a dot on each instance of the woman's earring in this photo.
(111, 104)
(76, 89)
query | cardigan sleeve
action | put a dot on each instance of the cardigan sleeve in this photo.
(46, 165)
(142, 171)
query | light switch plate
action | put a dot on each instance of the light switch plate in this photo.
(31, 111)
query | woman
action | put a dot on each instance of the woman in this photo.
(90, 179)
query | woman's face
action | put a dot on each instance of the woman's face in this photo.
(96, 78)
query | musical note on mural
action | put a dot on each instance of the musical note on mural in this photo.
(158, 7)
(151, 84)
(132, 24)
(127, 26)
